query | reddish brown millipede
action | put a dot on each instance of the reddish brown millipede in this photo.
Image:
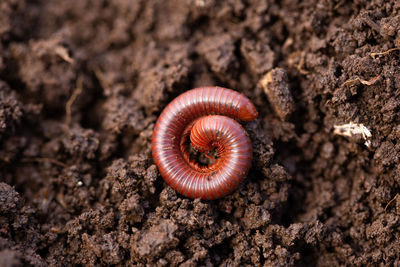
(193, 115)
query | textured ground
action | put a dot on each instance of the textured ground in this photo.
(82, 84)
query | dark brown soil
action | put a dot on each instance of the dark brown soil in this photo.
(82, 84)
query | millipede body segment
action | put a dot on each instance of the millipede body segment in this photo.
(208, 117)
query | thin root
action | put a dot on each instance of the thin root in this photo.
(339, 4)
(373, 55)
(390, 202)
(71, 100)
(54, 161)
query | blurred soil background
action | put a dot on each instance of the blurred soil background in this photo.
(83, 81)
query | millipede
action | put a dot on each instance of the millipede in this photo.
(208, 117)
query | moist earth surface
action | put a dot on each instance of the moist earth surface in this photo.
(82, 84)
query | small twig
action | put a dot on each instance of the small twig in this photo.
(54, 161)
(373, 55)
(391, 202)
(71, 100)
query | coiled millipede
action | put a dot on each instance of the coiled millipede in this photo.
(207, 116)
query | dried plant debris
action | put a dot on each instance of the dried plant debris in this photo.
(351, 129)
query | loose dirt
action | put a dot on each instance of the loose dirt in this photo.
(82, 84)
